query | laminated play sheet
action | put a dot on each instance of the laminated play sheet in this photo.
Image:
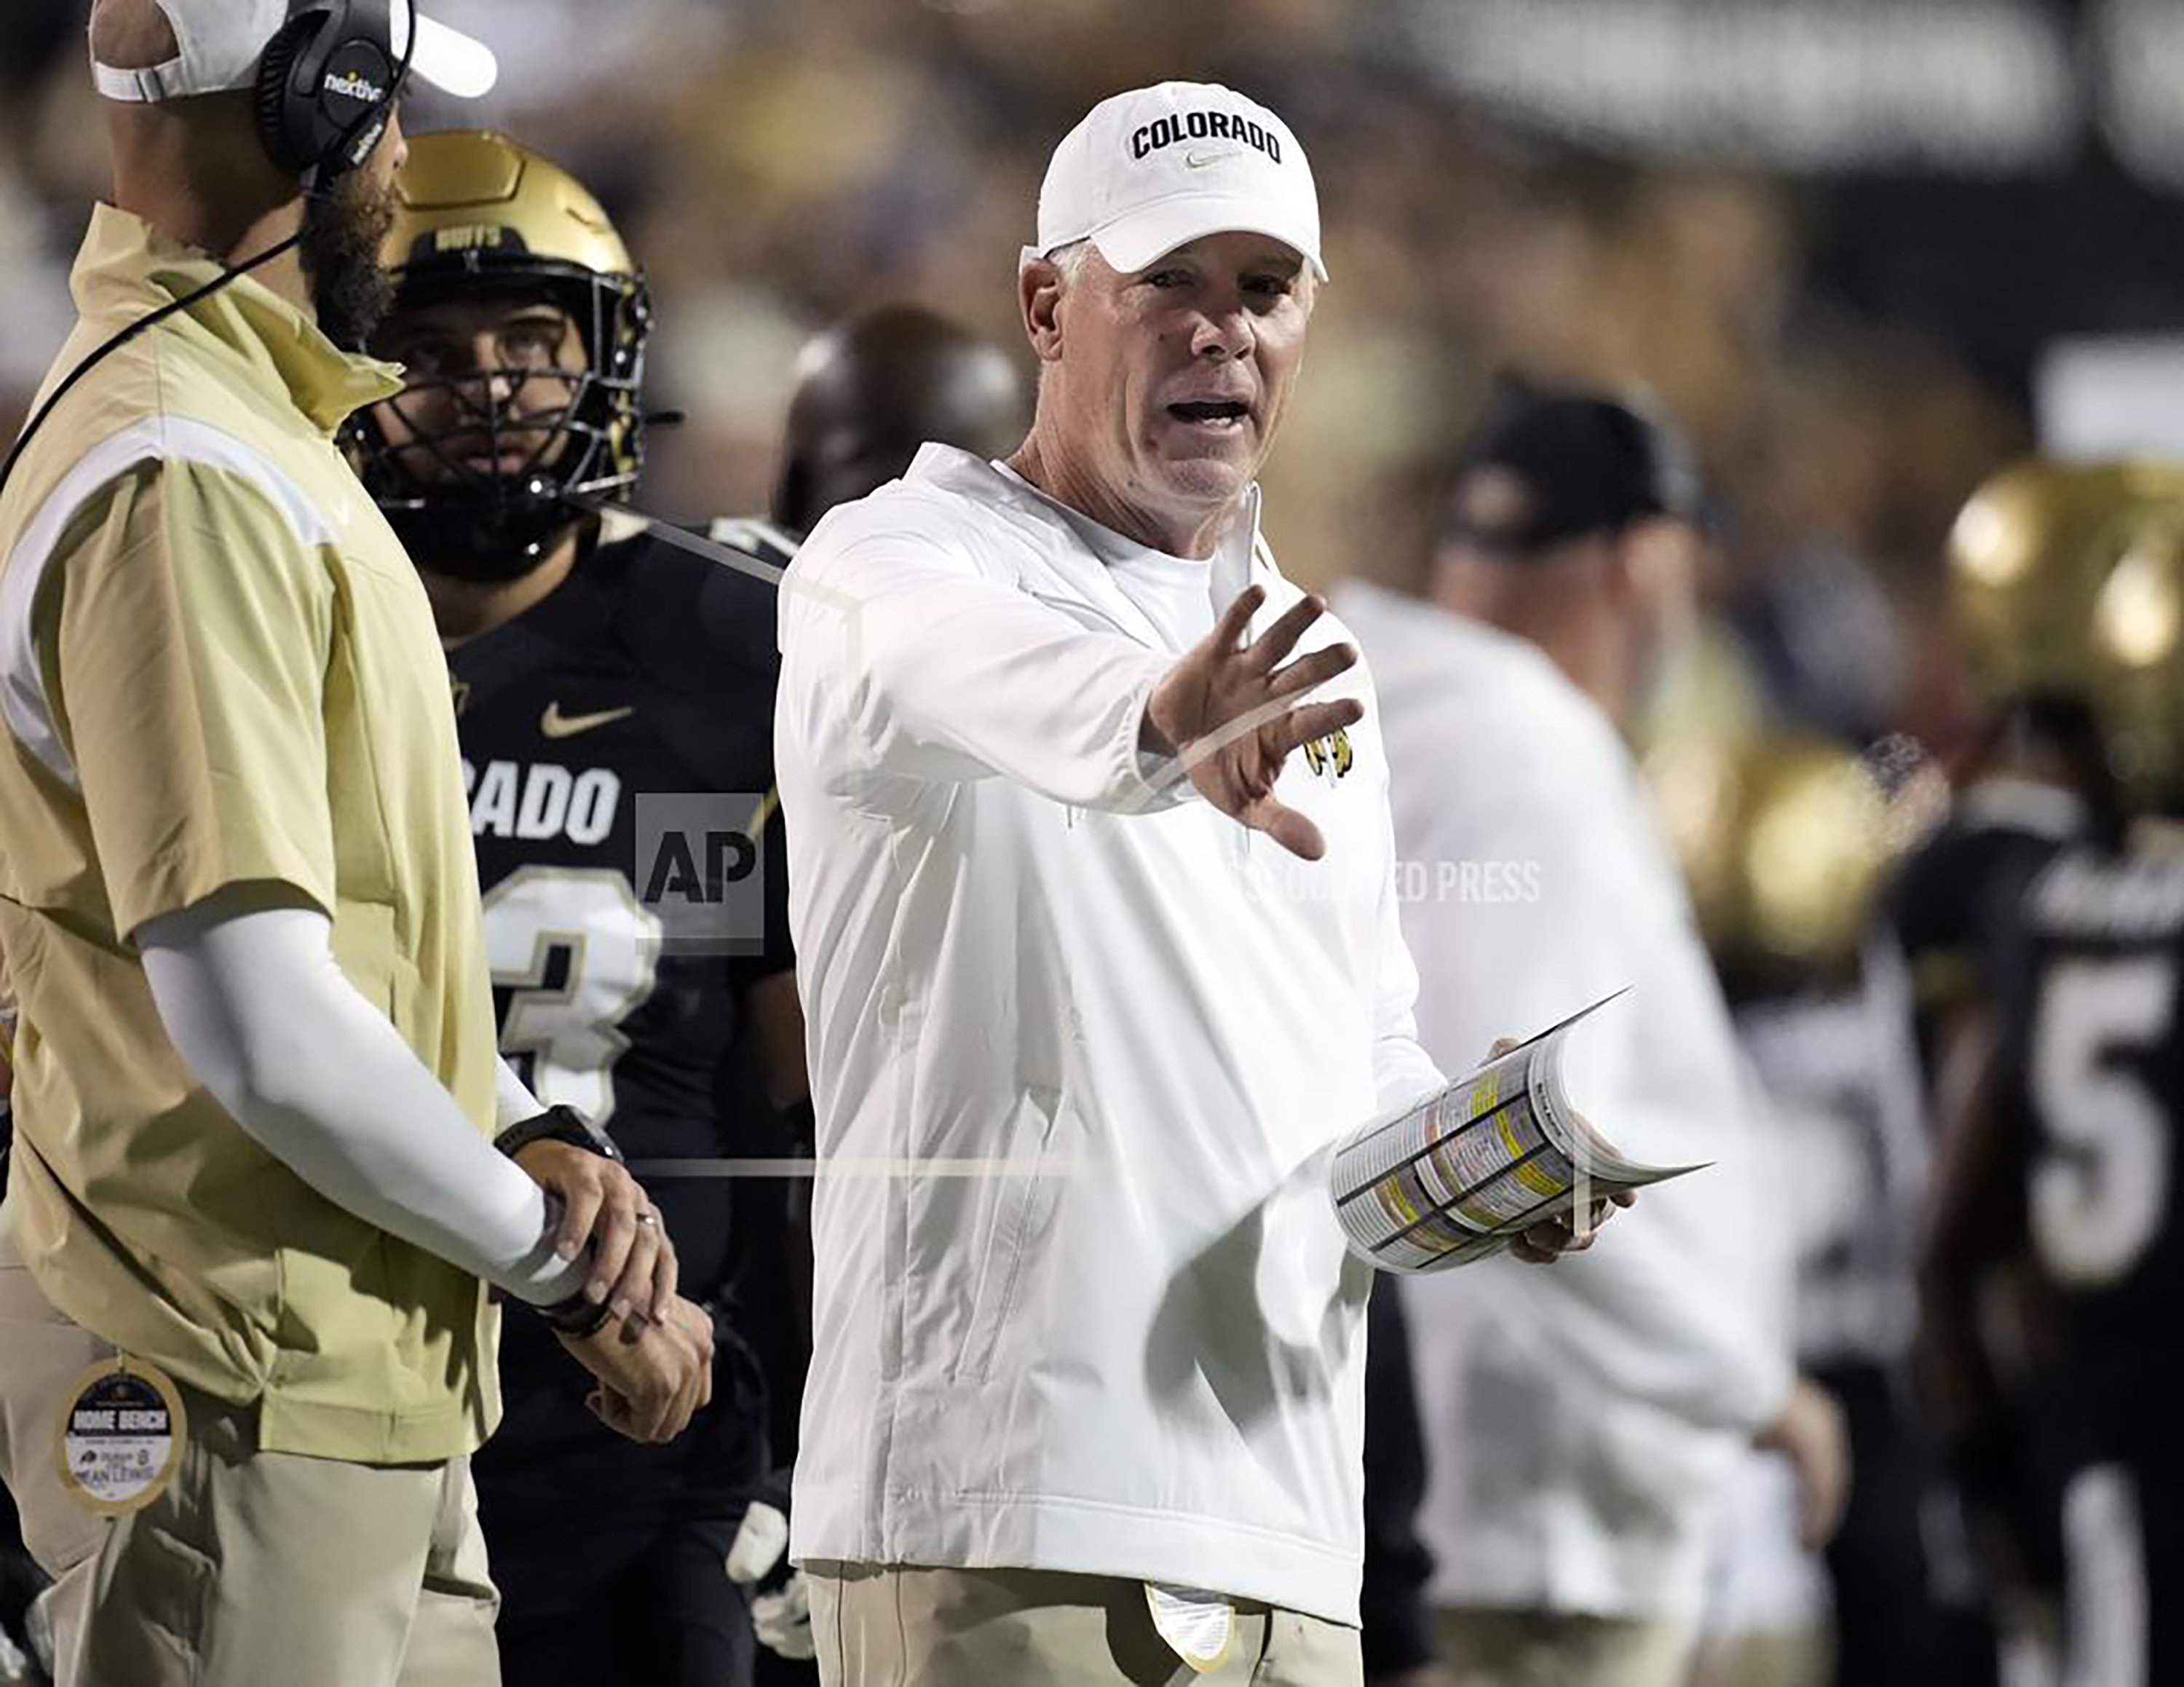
(1456, 1176)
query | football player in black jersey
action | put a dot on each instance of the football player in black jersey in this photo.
(1995, 1310)
(2081, 1139)
(2022, 570)
(2027, 556)
(595, 667)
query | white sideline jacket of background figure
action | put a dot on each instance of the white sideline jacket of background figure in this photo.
(1580, 1423)
(1079, 1052)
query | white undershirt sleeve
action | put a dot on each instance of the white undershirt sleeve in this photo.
(264, 1018)
(512, 1101)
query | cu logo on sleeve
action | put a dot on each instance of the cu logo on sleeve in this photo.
(701, 870)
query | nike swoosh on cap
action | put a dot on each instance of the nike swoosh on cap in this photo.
(1207, 160)
(556, 724)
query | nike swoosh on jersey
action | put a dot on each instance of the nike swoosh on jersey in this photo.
(556, 724)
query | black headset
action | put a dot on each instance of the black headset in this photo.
(325, 85)
(323, 96)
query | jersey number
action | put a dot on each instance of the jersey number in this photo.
(2100, 1185)
(576, 953)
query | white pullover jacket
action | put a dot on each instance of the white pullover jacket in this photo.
(1079, 1051)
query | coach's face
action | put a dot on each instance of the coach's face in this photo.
(1167, 386)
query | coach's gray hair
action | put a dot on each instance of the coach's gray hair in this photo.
(1070, 259)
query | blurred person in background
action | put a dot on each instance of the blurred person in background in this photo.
(1785, 837)
(2026, 557)
(2066, 1154)
(255, 1187)
(1073, 919)
(594, 665)
(2024, 561)
(872, 388)
(1580, 1424)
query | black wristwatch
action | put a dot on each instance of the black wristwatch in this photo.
(575, 1316)
(558, 1124)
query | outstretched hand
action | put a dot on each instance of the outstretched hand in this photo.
(1231, 710)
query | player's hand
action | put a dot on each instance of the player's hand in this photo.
(1810, 1434)
(653, 1377)
(781, 1618)
(1233, 713)
(633, 1266)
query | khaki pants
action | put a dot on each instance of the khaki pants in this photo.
(252, 1568)
(905, 1626)
(1796, 1657)
(1485, 1647)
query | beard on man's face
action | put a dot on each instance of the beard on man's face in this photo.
(342, 230)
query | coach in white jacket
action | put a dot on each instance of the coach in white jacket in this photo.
(1079, 1040)
(1580, 1423)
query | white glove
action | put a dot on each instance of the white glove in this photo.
(14, 1665)
(781, 1620)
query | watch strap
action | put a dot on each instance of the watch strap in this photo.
(560, 1123)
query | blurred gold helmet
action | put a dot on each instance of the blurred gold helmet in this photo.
(478, 213)
(2027, 556)
(1783, 837)
(2137, 660)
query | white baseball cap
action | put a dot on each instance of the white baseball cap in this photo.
(221, 41)
(1157, 168)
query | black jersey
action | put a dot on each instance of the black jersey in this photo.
(1957, 888)
(2091, 1070)
(647, 675)
(2091, 1081)
(1837, 1067)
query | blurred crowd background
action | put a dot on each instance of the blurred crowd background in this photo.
(1863, 252)
(1840, 240)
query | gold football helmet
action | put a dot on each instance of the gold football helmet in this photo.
(2138, 658)
(2027, 556)
(1783, 837)
(479, 215)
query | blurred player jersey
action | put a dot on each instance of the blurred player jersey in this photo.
(2091, 1058)
(1962, 884)
(1837, 1069)
(2092, 1081)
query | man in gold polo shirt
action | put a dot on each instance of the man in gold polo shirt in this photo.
(254, 1203)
